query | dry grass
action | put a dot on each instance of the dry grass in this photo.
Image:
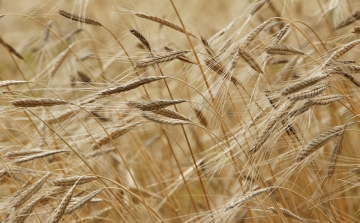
(179, 111)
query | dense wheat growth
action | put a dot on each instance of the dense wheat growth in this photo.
(179, 111)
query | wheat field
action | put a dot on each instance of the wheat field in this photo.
(179, 111)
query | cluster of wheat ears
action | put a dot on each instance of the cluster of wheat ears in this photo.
(195, 111)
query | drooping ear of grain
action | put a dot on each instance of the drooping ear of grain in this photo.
(309, 93)
(164, 120)
(282, 49)
(245, 198)
(349, 20)
(251, 36)
(321, 140)
(303, 84)
(162, 58)
(142, 39)
(154, 105)
(335, 153)
(245, 54)
(71, 208)
(45, 102)
(10, 49)
(69, 181)
(78, 18)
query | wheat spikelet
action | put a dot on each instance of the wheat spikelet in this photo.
(170, 114)
(280, 34)
(73, 207)
(60, 209)
(23, 213)
(286, 213)
(303, 84)
(251, 36)
(114, 134)
(45, 102)
(27, 193)
(309, 93)
(271, 124)
(160, 58)
(344, 69)
(200, 115)
(130, 85)
(163, 120)
(12, 82)
(245, 198)
(325, 100)
(10, 48)
(142, 39)
(69, 181)
(243, 53)
(163, 22)
(38, 155)
(78, 18)
(23, 152)
(338, 53)
(154, 105)
(320, 140)
(257, 7)
(349, 20)
(335, 153)
(282, 49)
(182, 57)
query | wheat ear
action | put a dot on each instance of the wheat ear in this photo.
(38, 155)
(166, 57)
(27, 193)
(114, 134)
(69, 181)
(245, 54)
(10, 48)
(338, 53)
(163, 22)
(349, 20)
(12, 82)
(325, 100)
(303, 84)
(60, 209)
(23, 152)
(170, 114)
(287, 213)
(142, 39)
(164, 120)
(251, 36)
(130, 85)
(309, 93)
(73, 207)
(78, 18)
(257, 6)
(154, 105)
(282, 49)
(25, 212)
(245, 198)
(320, 140)
(45, 102)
